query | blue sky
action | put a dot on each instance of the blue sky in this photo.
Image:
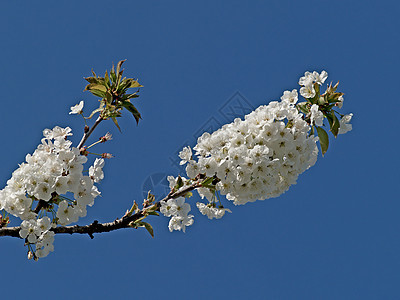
(334, 235)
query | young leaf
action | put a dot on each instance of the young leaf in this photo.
(133, 83)
(323, 139)
(149, 229)
(98, 93)
(119, 65)
(303, 107)
(95, 86)
(116, 122)
(312, 131)
(118, 70)
(91, 79)
(333, 123)
(107, 79)
(129, 106)
(207, 181)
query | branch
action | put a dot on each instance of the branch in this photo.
(87, 134)
(97, 227)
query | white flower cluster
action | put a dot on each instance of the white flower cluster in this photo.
(37, 232)
(256, 158)
(211, 211)
(52, 170)
(177, 209)
(308, 80)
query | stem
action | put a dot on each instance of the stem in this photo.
(87, 134)
(97, 227)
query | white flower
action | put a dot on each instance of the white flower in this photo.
(29, 230)
(210, 211)
(290, 97)
(44, 224)
(96, 171)
(307, 79)
(308, 91)
(44, 244)
(180, 223)
(344, 124)
(61, 185)
(185, 155)
(257, 158)
(320, 79)
(340, 102)
(66, 214)
(181, 208)
(43, 191)
(317, 117)
(168, 207)
(77, 109)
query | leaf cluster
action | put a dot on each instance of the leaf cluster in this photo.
(326, 103)
(113, 91)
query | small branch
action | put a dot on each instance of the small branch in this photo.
(10, 231)
(97, 227)
(87, 134)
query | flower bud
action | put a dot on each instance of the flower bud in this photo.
(106, 155)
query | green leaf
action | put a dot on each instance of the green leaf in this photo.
(129, 96)
(333, 123)
(179, 183)
(119, 65)
(107, 79)
(133, 83)
(129, 106)
(128, 83)
(150, 197)
(312, 131)
(207, 181)
(303, 107)
(323, 139)
(98, 93)
(113, 76)
(95, 86)
(91, 79)
(116, 123)
(109, 97)
(149, 229)
(118, 70)
(154, 213)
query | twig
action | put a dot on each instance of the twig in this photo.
(87, 134)
(97, 227)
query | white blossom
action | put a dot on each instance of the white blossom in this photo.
(180, 223)
(185, 155)
(317, 117)
(54, 169)
(259, 157)
(320, 78)
(210, 211)
(96, 171)
(290, 97)
(344, 124)
(77, 109)
(308, 91)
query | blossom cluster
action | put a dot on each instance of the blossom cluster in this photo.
(177, 209)
(258, 157)
(261, 156)
(53, 170)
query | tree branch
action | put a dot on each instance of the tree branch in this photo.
(87, 134)
(97, 227)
